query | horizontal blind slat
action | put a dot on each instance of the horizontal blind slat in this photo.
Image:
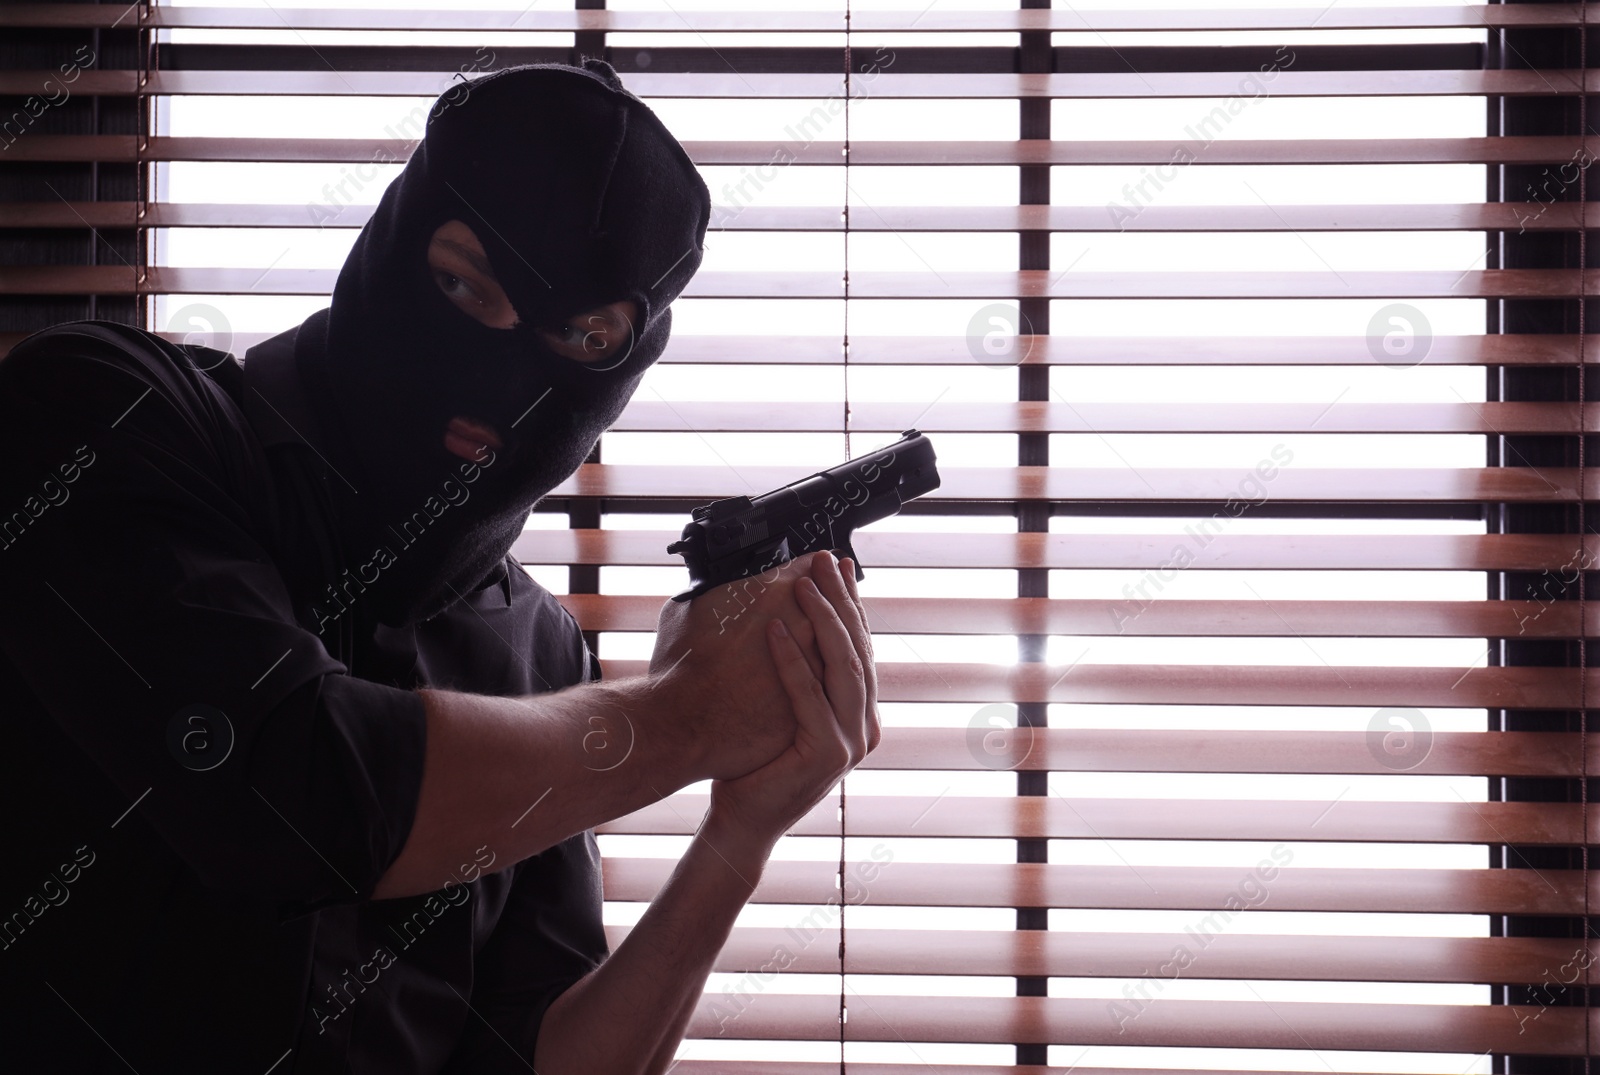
(1181, 888)
(720, 85)
(1169, 1022)
(1135, 552)
(1285, 351)
(1349, 284)
(1061, 416)
(1488, 960)
(1067, 350)
(1533, 216)
(1276, 685)
(1507, 149)
(1059, 817)
(1108, 750)
(1169, 617)
(1305, 485)
(694, 22)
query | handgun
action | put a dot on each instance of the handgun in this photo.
(736, 538)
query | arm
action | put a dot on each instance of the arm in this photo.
(651, 984)
(512, 774)
(629, 1014)
(488, 760)
(327, 787)
(298, 789)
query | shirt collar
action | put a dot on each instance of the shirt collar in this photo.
(275, 399)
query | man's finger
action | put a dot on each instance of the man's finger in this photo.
(847, 568)
(841, 648)
(812, 710)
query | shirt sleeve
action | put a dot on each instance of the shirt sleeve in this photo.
(591, 662)
(149, 620)
(549, 935)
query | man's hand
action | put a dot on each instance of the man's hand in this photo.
(836, 713)
(630, 1013)
(714, 657)
(713, 707)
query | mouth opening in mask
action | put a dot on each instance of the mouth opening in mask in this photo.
(471, 440)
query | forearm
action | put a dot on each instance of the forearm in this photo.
(514, 776)
(628, 1015)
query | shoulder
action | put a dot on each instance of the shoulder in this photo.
(90, 363)
(125, 389)
(100, 349)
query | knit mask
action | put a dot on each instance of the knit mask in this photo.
(580, 197)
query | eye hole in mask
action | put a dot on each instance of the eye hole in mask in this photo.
(599, 338)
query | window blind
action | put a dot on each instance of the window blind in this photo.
(1234, 680)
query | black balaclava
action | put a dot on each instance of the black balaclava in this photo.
(580, 197)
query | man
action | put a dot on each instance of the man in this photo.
(300, 767)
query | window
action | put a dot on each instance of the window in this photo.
(1233, 680)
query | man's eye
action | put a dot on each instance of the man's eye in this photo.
(574, 334)
(454, 286)
(596, 336)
